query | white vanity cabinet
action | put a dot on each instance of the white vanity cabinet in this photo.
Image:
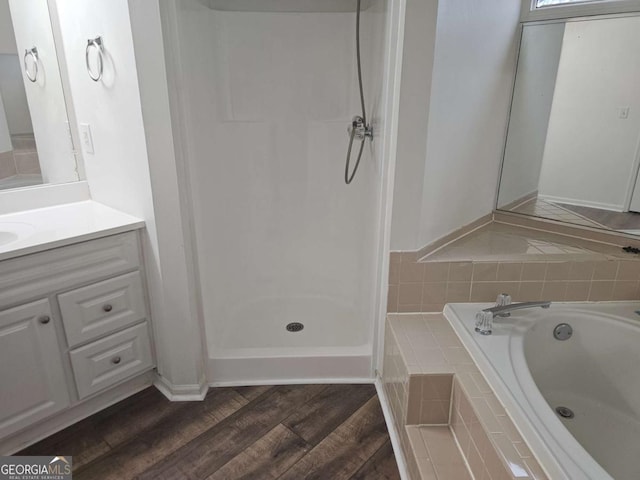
(32, 378)
(74, 322)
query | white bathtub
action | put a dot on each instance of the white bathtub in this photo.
(595, 373)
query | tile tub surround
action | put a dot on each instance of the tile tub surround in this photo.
(418, 346)
(528, 264)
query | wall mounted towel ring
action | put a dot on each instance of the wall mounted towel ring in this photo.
(97, 44)
(33, 53)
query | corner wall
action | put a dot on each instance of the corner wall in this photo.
(132, 167)
(454, 182)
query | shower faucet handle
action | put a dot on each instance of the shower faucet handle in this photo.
(361, 130)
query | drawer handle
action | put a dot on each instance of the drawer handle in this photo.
(44, 319)
(107, 308)
(116, 360)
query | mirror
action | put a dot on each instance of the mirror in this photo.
(35, 135)
(572, 151)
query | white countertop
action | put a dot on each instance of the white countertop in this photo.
(41, 229)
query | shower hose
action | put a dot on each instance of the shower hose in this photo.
(359, 125)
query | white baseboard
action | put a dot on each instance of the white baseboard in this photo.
(22, 439)
(181, 393)
(393, 431)
(296, 381)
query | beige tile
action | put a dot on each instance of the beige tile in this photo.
(488, 291)
(394, 273)
(418, 446)
(409, 308)
(7, 165)
(460, 271)
(458, 471)
(434, 412)
(426, 470)
(410, 272)
(601, 291)
(535, 470)
(460, 432)
(410, 294)
(457, 355)
(436, 271)
(522, 448)
(495, 405)
(530, 292)
(476, 464)
(27, 163)
(437, 387)
(488, 420)
(510, 430)
(554, 291)
(432, 307)
(428, 357)
(625, 290)
(581, 271)
(441, 445)
(447, 339)
(434, 292)
(509, 272)
(395, 257)
(458, 292)
(411, 257)
(511, 459)
(557, 271)
(577, 291)
(533, 271)
(628, 271)
(392, 298)
(485, 271)
(606, 270)
(414, 400)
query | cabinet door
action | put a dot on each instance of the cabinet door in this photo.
(32, 381)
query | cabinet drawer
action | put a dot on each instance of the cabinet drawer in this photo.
(39, 274)
(102, 308)
(105, 362)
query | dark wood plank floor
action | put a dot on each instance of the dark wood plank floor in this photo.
(323, 432)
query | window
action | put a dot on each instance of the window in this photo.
(547, 3)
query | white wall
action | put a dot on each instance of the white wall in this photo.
(471, 89)
(118, 172)
(12, 89)
(7, 37)
(591, 153)
(533, 96)
(47, 106)
(415, 95)
(5, 136)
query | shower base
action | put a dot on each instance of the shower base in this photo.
(278, 366)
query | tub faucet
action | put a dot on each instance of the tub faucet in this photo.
(484, 318)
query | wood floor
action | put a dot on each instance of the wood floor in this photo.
(324, 432)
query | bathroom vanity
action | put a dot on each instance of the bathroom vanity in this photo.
(75, 331)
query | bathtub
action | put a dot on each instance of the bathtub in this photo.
(595, 374)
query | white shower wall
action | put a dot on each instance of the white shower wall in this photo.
(280, 237)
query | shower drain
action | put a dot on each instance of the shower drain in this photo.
(294, 327)
(565, 412)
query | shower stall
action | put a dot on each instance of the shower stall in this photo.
(289, 257)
